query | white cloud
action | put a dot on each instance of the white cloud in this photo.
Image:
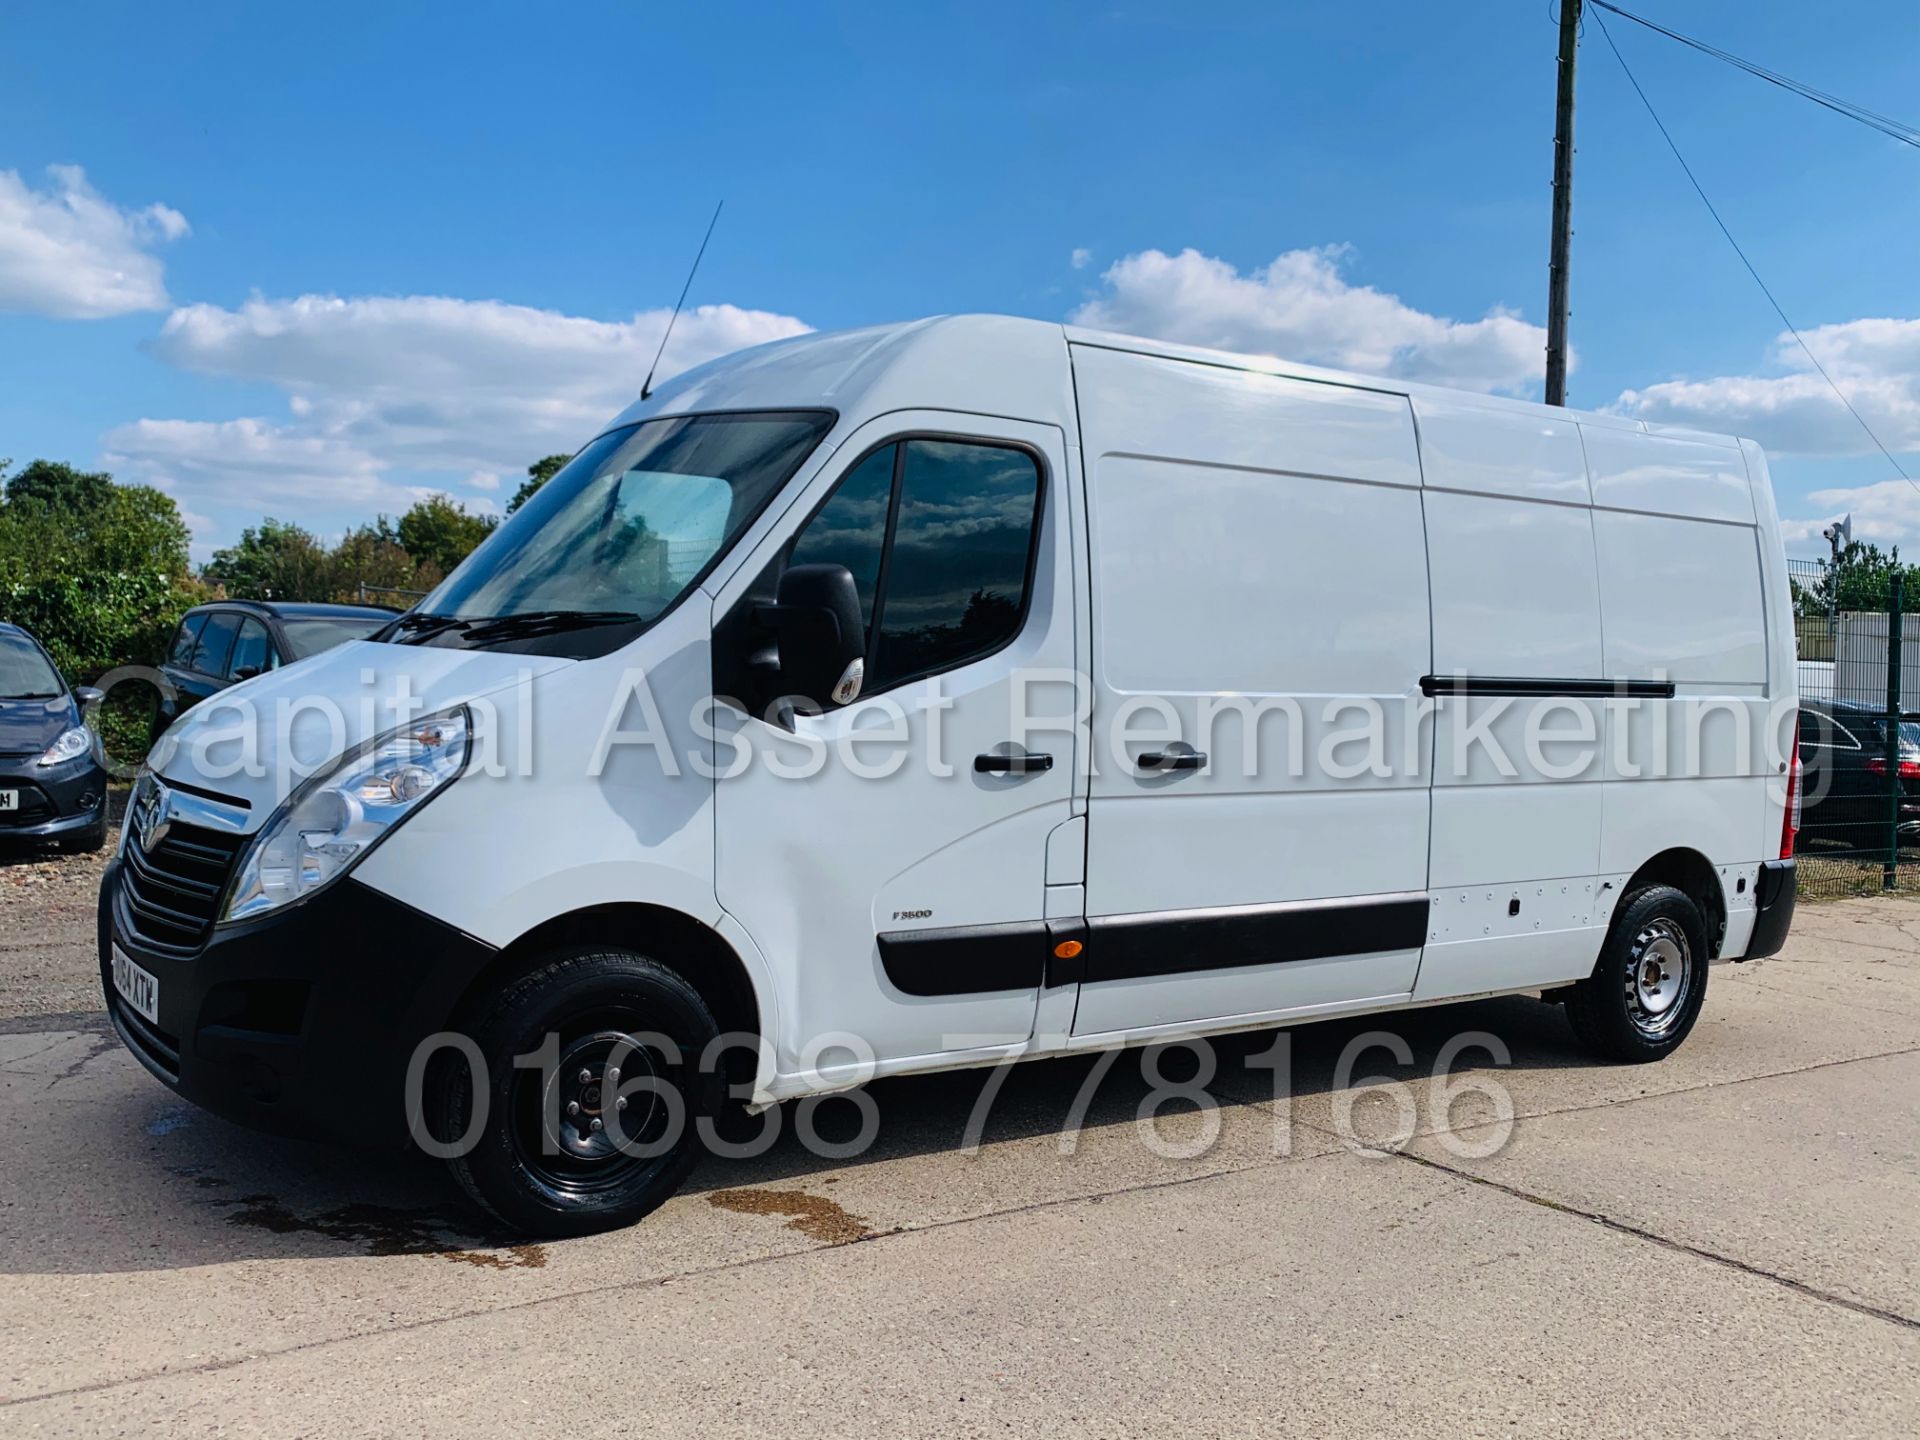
(70, 252)
(1081, 258)
(392, 397)
(1887, 510)
(1792, 411)
(446, 384)
(1876, 363)
(1301, 308)
(276, 468)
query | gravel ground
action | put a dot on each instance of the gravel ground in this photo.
(47, 964)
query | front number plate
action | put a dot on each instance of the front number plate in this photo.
(9, 799)
(137, 987)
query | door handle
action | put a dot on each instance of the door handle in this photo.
(1021, 763)
(1157, 761)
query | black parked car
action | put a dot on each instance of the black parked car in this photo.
(53, 780)
(229, 641)
(1844, 785)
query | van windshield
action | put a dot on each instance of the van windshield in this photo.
(619, 534)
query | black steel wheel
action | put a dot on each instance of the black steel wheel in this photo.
(594, 1084)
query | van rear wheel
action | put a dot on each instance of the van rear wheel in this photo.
(1651, 979)
(595, 1126)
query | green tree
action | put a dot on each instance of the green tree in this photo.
(55, 518)
(139, 528)
(442, 532)
(98, 571)
(538, 474)
(1862, 580)
(372, 556)
(60, 488)
(277, 561)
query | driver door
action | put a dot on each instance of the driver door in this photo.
(887, 857)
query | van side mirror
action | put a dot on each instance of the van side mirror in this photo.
(819, 634)
(88, 695)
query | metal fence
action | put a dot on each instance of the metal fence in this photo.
(394, 595)
(1859, 682)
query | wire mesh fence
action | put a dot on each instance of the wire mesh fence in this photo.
(1859, 682)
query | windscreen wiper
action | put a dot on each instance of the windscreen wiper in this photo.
(417, 625)
(545, 622)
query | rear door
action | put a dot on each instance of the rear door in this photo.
(197, 666)
(1517, 795)
(1259, 590)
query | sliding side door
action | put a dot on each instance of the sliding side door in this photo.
(1259, 586)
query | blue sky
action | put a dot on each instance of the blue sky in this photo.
(313, 262)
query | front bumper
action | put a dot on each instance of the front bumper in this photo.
(302, 1022)
(55, 800)
(1773, 900)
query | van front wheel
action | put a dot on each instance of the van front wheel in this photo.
(594, 1086)
(1650, 982)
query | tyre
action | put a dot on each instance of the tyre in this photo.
(603, 1128)
(1651, 979)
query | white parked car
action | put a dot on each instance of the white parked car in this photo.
(917, 697)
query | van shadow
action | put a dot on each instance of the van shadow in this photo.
(929, 1114)
(153, 1184)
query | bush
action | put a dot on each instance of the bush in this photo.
(98, 572)
(93, 625)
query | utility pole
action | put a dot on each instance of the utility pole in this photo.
(1562, 206)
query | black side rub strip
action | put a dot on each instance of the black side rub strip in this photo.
(1177, 942)
(984, 959)
(966, 959)
(1493, 685)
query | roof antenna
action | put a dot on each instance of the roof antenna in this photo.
(646, 390)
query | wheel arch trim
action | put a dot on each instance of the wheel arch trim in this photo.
(718, 958)
(1696, 877)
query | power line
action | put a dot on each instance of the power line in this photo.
(1885, 124)
(1694, 181)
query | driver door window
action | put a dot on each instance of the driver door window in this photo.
(939, 537)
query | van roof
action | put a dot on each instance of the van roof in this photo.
(1001, 365)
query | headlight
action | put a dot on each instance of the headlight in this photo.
(338, 815)
(70, 746)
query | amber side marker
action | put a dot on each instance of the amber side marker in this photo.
(1067, 949)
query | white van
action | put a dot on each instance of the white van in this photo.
(925, 696)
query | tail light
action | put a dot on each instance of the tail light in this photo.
(1790, 823)
(1908, 769)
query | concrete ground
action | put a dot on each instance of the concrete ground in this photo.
(1724, 1244)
